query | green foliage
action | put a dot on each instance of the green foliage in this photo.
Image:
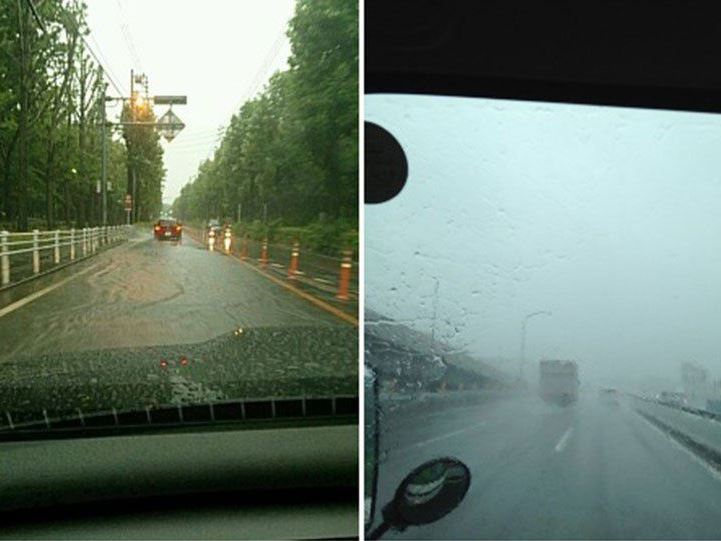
(290, 154)
(50, 123)
(322, 237)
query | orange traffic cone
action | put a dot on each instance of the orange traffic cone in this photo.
(293, 267)
(264, 254)
(345, 268)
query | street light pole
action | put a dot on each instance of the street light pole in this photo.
(523, 338)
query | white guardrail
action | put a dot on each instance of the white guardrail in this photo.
(25, 255)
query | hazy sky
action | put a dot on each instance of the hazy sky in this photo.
(210, 50)
(610, 218)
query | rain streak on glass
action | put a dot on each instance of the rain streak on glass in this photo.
(542, 302)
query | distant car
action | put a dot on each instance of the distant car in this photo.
(609, 396)
(168, 229)
(672, 398)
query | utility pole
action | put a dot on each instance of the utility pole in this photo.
(169, 125)
(104, 144)
(131, 158)
(523, 339)
(24, 102)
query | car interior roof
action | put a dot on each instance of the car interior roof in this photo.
(646, 53)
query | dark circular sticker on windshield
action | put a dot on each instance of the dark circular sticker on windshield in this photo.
(386, 166)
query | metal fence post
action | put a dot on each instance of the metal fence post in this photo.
(72, 244)
(85, 241)
(57, 246)
(36, 253)
(4, 259)
(96, 238)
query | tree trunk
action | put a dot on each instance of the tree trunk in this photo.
(49, 186)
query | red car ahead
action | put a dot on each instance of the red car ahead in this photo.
(168, 229)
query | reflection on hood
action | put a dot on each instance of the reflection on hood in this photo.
(247, 363)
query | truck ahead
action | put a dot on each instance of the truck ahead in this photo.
(559, 382)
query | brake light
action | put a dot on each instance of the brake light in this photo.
(157, 228)
(183, 361)
(163, 363)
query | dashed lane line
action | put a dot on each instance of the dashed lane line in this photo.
(564, 440)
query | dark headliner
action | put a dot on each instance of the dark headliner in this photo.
(641, 53)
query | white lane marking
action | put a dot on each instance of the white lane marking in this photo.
(444, 436)
(564, 440)
(30, 298)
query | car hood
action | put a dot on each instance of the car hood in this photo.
(248, 363)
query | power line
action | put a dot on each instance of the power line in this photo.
(260, 74)
(206, 132)
(111, 75)
(106, 72)
(35, 14)
(74, 23)
(201, 139)
(191, 146)
(128, 38)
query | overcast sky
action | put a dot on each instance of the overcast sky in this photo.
(210, 50)
(609, 218)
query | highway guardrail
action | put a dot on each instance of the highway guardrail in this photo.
(25, 256)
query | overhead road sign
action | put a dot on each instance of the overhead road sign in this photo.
(170, 100)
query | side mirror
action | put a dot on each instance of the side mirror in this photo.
(370, 433)
(428, 493)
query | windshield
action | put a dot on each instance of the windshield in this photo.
(538, 254)
(108, 305)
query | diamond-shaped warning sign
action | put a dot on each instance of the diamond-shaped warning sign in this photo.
(169, 125)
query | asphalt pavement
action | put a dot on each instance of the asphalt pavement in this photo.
(590, 471)
(148, 292)
(109, 321)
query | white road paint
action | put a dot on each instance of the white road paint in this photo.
(114, 250)
(446, 436)
(34, 296)
(564, 440)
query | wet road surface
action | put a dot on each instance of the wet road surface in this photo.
(593, 471)
(97, 340)
(152, 293)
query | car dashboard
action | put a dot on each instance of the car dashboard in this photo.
(255, 483)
